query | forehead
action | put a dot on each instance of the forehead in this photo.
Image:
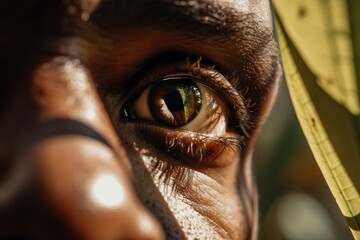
(129, 11)
(259, 7)
(91, 4)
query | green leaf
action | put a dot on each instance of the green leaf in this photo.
(319, 42)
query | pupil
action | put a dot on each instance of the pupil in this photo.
(174, 101)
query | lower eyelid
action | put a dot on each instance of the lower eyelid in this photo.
(193, 150)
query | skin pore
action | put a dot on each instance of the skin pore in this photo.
(132, 119)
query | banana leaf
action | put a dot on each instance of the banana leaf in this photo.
(320, 46)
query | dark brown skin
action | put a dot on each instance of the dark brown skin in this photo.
(82, 155)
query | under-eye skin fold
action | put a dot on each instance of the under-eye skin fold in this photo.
(175, 154)
(184, 113)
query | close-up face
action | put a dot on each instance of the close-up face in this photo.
(132, 119)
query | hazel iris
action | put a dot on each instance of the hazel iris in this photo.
(175, 102)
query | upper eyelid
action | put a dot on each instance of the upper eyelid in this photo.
(177, 64)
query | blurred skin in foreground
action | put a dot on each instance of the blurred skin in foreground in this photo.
(132, 119)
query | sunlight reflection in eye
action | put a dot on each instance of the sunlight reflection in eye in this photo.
(214, 105)
(220, 128)
(107, 191)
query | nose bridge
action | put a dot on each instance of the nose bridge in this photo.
(77, 164)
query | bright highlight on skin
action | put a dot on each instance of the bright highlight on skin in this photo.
(106, 191)
(90, 114)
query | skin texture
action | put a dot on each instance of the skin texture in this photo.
(82, 156)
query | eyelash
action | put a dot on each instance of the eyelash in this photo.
(173, 172)
(178, 163)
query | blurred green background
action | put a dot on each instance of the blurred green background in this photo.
(295, 202)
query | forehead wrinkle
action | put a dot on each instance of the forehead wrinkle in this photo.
(213, 10)
(224, 22)
(216, 17)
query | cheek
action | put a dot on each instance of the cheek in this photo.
(205, 209)
(194, 225)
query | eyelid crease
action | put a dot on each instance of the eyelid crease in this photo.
(165, 65)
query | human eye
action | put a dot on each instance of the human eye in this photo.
(180, 102)
(185, 113)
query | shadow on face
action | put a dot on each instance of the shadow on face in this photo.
(132, 119)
